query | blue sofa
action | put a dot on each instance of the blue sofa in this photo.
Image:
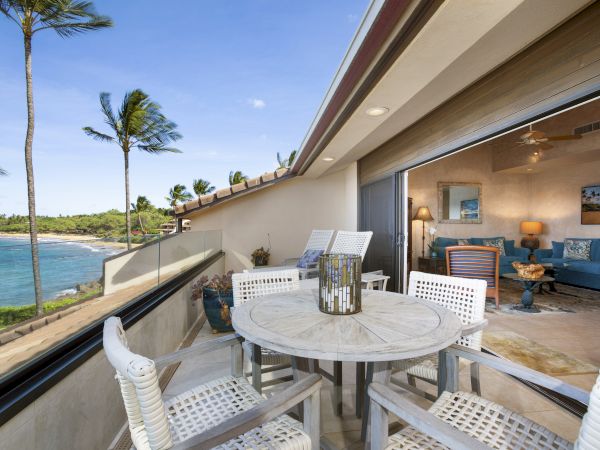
(512, 253)
(572, 271)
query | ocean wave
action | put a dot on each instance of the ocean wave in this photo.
(71, 291)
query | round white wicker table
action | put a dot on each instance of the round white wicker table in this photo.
(390, 327)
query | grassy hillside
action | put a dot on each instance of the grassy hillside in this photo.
(110, 224)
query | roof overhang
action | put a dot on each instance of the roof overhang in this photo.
(412, 56)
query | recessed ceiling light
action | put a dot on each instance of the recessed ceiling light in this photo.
(328, 159)
(536, 153)
(377, 111)
(529, 170)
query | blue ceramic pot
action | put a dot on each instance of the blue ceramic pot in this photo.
(217, 306)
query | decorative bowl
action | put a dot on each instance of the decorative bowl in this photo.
(529, 271)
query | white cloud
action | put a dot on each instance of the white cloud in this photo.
(257, 103)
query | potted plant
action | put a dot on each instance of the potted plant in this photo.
(217, 298)
(432, 247)
(260, 257)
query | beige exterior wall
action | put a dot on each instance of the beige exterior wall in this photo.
(287, 212)
(85, 410)
(556, 201)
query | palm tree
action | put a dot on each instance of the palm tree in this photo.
(202, 187)
(137, 124)
(66, 18)
(142, 204)
(236, 177)
(178, 193)
(285, 163)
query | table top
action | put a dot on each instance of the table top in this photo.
(515, 276)
(366, 277)
(390, 327)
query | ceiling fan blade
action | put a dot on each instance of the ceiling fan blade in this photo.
(568, 137)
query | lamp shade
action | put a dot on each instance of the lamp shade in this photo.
(531, 227)
(423, 214)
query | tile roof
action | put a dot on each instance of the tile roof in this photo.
(228, 193)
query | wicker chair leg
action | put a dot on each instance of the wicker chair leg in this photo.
(411, 380)
(257, 368)
(475, 380)
(360, 388)
(337, 389)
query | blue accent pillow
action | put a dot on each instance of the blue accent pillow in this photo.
(310, 258)
(558, 249)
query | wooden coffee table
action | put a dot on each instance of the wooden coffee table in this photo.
(528, 287)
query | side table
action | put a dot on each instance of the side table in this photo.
(436, 265)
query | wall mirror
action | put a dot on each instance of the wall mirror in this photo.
(459, 202)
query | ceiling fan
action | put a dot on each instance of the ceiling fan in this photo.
(539, 138)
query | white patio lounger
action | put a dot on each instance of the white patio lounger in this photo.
(318, 240)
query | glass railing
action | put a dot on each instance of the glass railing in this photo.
(78, 269)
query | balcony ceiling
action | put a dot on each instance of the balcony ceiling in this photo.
(461, 42)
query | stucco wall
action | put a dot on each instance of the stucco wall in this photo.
(287, 212)
(556, 201)
(85, 410)
(504, 197)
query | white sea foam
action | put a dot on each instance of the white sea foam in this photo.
(71, 291)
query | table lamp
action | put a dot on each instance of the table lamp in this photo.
(423, 215)
(531, 229)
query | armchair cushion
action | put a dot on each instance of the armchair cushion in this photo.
(558, 249)
(309, 259)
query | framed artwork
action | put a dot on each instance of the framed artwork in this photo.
(590, 205)
(469, 209)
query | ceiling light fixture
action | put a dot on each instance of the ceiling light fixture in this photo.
(328, 159)
(377, 111)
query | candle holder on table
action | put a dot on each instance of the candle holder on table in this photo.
(340, 283)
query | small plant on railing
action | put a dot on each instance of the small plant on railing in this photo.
(217, 298)
(260, 257)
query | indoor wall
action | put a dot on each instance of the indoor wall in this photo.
(551, 195)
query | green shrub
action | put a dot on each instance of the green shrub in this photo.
(11, 315)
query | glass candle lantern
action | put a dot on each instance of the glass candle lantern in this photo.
(339, 283)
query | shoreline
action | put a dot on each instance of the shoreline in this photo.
(86, 238)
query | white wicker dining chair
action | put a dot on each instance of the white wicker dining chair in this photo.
(226, 413)
(466, 298)
(461, 420)
(248, 286)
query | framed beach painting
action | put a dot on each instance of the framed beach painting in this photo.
(469, 209)
(590, 205)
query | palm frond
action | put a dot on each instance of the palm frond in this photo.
(109, 115)
(96, 135)
(155, 149)
(67, 17)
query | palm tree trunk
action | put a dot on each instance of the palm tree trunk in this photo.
(127, 203)
(140, 222)
(35, 257)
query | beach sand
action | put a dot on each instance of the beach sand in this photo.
(90, 240)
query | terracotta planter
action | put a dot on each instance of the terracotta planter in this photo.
(217, 306)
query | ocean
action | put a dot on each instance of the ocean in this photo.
(63, 265)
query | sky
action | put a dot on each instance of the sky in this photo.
(242, 79)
